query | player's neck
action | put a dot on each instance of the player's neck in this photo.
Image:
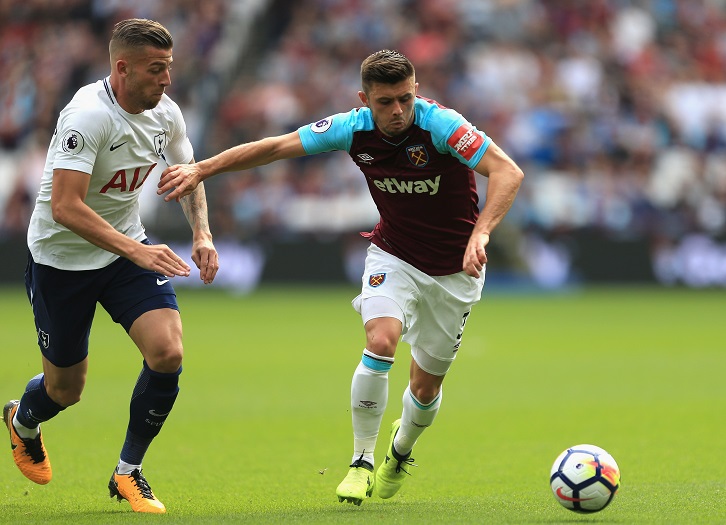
(122, 99)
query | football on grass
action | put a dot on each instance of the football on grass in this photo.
(584, 478)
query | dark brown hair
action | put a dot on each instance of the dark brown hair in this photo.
(385, 67)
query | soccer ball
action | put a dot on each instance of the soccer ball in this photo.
(584, 478)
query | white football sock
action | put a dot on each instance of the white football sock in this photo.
(23, 431)
(368, 399)
(414, 420)
(126, 468)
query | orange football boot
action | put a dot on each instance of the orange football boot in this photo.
(29, 454)
(136, 490)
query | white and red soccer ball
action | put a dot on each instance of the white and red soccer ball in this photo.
(584, 478)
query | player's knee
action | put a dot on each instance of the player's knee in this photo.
(163, 352)
(165, 360)
(382, 343)
(64, 395)
(424, 392)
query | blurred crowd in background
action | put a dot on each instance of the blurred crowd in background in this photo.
(615, 109)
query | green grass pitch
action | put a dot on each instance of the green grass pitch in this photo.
(261, 430)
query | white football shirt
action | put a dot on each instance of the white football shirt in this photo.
(120, 151)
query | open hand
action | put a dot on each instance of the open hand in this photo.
(182, 179)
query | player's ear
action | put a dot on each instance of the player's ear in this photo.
(122, 67)
(363, 98)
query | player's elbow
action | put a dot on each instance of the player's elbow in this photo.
(61, 212)
(516, 174)
(58, 212)
(284, 147)
(513, 177)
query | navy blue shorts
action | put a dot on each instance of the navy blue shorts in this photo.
(64, 303)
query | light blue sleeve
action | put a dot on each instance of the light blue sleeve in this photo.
(451, 133)
(334, 132)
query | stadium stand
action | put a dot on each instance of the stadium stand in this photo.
(615, 109)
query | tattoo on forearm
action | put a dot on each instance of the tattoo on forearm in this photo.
(194, 206)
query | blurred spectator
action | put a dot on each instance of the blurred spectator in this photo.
(49, 49)
(616, 109)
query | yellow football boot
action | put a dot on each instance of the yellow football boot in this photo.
(391, 475)
(358, 484)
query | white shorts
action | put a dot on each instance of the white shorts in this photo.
(432, 310)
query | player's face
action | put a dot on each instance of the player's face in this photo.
(148, 77)
(391, 105)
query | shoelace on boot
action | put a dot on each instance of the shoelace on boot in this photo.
(34, 449)
(142, 484)
(408, 461)
(360, 462)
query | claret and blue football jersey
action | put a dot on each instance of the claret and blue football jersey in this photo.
(421, 181)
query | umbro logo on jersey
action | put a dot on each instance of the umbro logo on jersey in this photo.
(365, 158)
(159, 282)
(117, 146)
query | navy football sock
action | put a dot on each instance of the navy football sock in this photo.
(151, 402)
(36, 405)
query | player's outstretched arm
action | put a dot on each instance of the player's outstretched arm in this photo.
(181, 179)
(505, 178)
(204, 254)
